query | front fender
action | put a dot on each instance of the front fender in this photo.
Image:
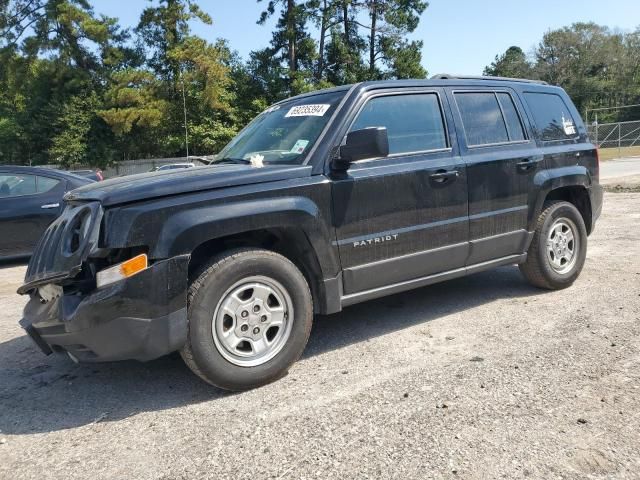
(183, 231)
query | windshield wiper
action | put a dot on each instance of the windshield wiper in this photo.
(230, 160)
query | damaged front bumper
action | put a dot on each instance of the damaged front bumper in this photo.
(140, 318)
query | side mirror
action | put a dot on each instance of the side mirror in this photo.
(366, 143)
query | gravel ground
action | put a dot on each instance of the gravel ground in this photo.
(481, 377)
(626, 184)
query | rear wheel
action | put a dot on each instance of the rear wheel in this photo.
(558, 249)
(250, 315)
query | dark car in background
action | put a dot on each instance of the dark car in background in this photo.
(173, 166)
(95, 175)
(30, 199)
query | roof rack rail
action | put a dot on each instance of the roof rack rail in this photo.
(447, 76)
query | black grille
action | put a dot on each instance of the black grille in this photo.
(64, 245)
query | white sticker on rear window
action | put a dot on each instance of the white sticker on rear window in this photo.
(317, 110)
(569, 127)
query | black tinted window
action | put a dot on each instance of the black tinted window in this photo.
(511, 117)
(414, 122)
(551, 115)
(482, 118)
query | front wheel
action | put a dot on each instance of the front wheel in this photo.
(250, 315)
(558, 249)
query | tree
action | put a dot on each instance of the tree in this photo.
(72, 144)
(164, 28)
(591, 62)
(597, 67)
(325, 15)
(344, 58)
(390, 22)
(55, 51)
(67, 30)
(76, 88)
(183, 76)
(512, 63)
(291, 43)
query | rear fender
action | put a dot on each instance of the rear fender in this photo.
(554, 178)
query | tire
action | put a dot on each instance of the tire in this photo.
(260, 284)
(544, 267)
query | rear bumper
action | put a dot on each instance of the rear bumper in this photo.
(596, 196)
(140, 318)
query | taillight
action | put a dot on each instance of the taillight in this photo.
(598, 158)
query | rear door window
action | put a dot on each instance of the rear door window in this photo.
(414, 122)
(482, 118)
(489, 118)
(552, 117)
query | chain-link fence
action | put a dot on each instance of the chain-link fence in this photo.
(623, 136)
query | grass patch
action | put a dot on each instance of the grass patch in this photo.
(611, 153)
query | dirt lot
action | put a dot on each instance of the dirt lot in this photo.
(482, 377)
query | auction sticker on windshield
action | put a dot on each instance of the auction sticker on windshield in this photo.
(299, 146)
(315, 110)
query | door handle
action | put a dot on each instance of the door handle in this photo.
(50, 205)
(528, 164)
(443, 176)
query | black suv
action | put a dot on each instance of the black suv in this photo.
(325, 200)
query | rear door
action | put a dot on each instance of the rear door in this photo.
(28, 204)
(502, 160)
(404, 216)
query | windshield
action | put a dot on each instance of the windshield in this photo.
(283, 133)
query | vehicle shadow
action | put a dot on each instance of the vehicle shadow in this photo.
(42, 394)
(14, 262)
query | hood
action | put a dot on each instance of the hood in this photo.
(146, 186)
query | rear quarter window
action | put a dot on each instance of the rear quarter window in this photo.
(44, 184)
(551, 116)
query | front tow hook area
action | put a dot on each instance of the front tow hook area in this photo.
(37, 339)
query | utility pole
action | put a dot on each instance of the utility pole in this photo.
(184, 108)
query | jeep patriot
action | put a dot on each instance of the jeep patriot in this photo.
(324, 200)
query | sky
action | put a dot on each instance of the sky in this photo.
(460, 36)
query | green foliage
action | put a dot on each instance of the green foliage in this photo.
(512, 63)
(70, 145)
(598, 67)
(77, 89)
(133, 100)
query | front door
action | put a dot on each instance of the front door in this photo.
(28, 204)
(402, 217)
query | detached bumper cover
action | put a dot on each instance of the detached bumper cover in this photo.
(140, 318)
